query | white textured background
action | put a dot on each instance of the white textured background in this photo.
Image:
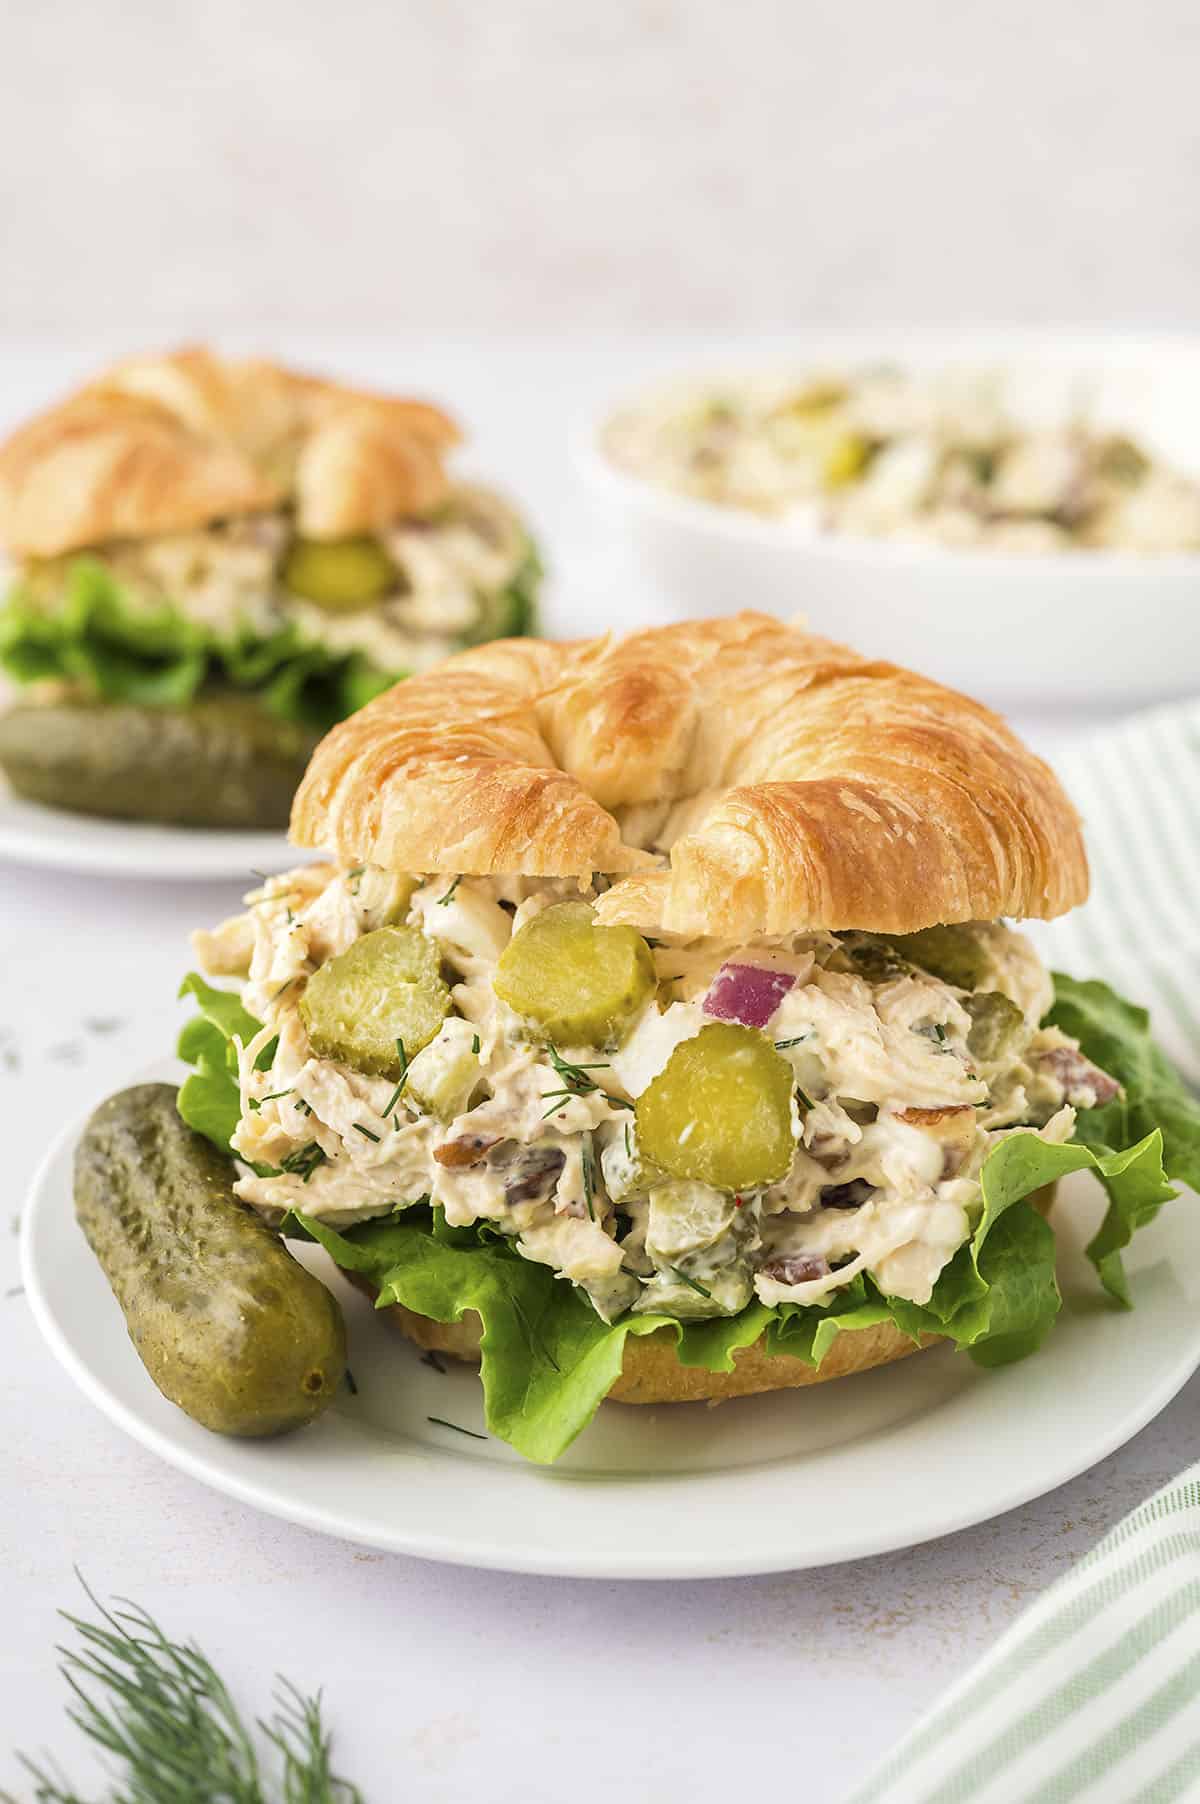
(554, 163)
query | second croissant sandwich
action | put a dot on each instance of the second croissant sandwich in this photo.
(657, 1020)
(217, 560)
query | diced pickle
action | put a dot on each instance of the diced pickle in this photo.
(384, 989)
(623, 1166)
(720, 1111)
(578, 982)
(847, 458)
(952, 953)
(995, 1023)
(718, 1293)
(685, 1218)
(442, 1078)
(338, 574)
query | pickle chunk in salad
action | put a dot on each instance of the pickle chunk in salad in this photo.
(377, 1004)
(720, 1111)
(579, 983)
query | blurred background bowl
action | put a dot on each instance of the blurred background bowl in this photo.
(1079, 629)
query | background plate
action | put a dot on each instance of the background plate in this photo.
(86, 843)
(765, 1484)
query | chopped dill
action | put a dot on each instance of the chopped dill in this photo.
(365, 1132)
(442, 1423)
(394, 1098)
(803, 1098)
(475, 1044)
(576, 1082)
(782, 1045)
(587, 1165)
(443, 901)
(304, 1161)
(351, 1382)
(430, 1359)
(692, 1283)
(255, 1103)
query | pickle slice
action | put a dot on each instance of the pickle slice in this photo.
(338, 574)
(720, 1111)
(578, 982)
(384, 989)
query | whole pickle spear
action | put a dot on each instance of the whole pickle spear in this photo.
(231, 1329)
(222, 761)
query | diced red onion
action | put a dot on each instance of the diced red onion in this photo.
(749, 994)
(796, 1268)
(1080, 1079)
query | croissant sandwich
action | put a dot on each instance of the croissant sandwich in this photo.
(657, 1019)
(215, 561)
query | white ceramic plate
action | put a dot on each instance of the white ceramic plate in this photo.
(83, 842)
(765, 1484)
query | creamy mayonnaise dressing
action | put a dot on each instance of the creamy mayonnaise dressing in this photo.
(895, 1112)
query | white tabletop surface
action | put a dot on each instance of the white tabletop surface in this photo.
(443, 1684)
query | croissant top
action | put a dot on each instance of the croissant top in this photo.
(168, 443)
(735, 777)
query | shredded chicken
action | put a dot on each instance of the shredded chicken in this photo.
(904, 1083)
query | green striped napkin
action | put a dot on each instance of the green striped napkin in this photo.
(1095, 1693)
(1092, 1695)
(1137, 786)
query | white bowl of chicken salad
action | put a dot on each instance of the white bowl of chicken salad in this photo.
(1019, 513)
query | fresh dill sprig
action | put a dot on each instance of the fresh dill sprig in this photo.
(576, 1082)
(162, 1709)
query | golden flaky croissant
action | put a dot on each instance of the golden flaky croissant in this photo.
(736, 776)
(167, 443)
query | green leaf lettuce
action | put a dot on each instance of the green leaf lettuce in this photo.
(548, 1359)
(94, 637)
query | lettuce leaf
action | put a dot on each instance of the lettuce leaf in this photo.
(548, 1359)
(94, 637)
(210, 1100)
(1116, 1035)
